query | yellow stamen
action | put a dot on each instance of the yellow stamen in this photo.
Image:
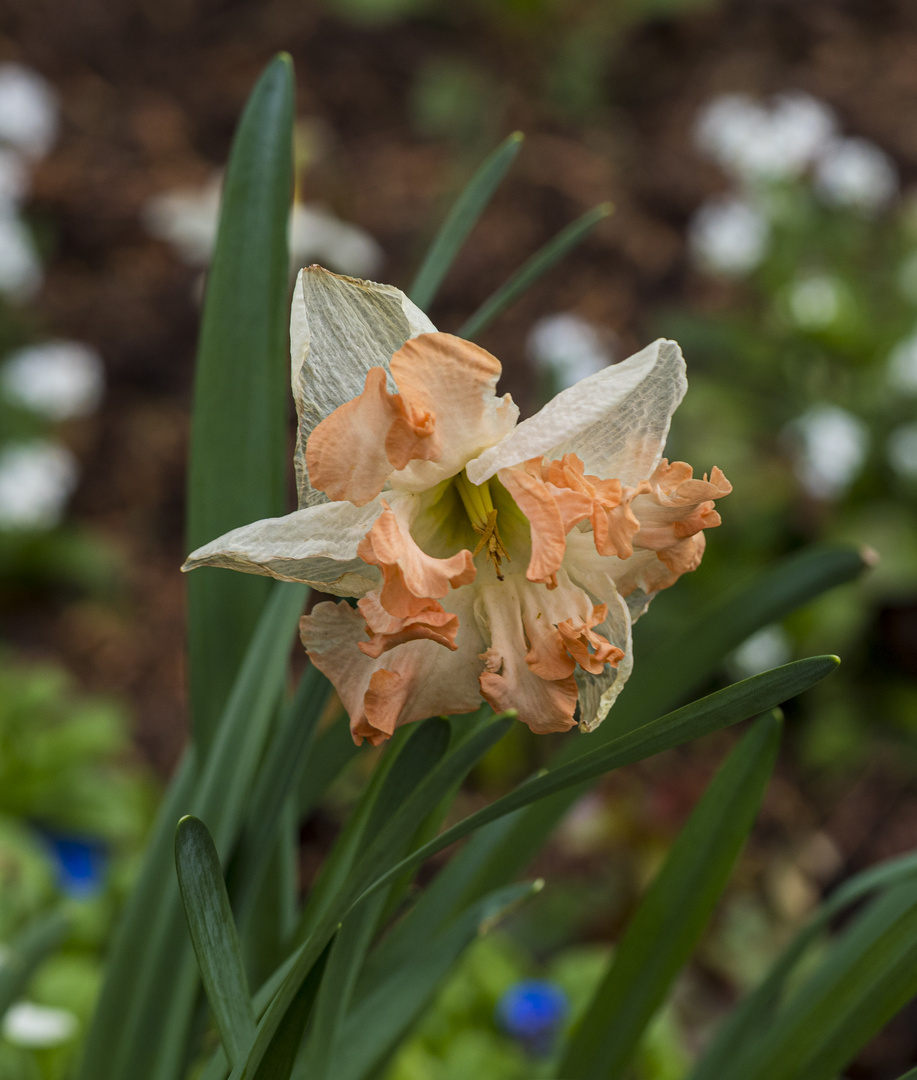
(483, 516)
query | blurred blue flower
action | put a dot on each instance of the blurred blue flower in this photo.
(79, 863)
(533, 1012)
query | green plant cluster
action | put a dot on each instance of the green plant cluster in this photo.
(330, 984)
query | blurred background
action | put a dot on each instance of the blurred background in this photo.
(761, 156)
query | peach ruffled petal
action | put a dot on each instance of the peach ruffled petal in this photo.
(447, 377)
(353, 451)
(386, 631)
(410, 577)
(409, 682)
(538, 638)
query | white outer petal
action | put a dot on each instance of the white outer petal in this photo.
(616, 421)
(316, 545)
(340, 327)
(597, 693)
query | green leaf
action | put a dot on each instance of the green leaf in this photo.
(280, 1055)
(912, 1075)
(374, 870)
(213, 935)
(141, 1025)
(738, 702)
(238, 456)
(682, 661)
(274, 784)
(756, 1010)
(863, 980)
(380, 1021)
(377, 855)
(421, 753)
(461, 220)
(688, 657)
(672, 916)
(539, 264)
(37, 940)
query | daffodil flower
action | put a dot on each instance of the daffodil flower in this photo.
(490, 558)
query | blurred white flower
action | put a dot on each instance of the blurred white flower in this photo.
(902, 366)
(37, 1026)
(20, 270)
(814, 302)
(188, 220)
(36, 480)
(857, 174)
(728, 235)
(752, 141)
(568, 346)
(830, 447)
(768, 648)
(316, 235)
(14, 180)
(28, 110)
(901, 449)
(59, 379)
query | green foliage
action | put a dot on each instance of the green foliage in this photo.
(353, 964)
(238, 462)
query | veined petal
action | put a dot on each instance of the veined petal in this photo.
(410, 682)
(598, 691)
(411, 577)
(615, 421)
(340, 327)
(454, 381)
(316, 545)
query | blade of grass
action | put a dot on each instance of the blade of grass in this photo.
(213, 935)
(756, 1010)
(381, 1020)
(526, 276)
(377, 855)
(280, 1056)
(422, 752)
(672, 916)
(738, 702)
(863, 980)
(275, 781)
(141, 1025)
(461, 219)
(41, 935)
(735, 703)
(687, 657)
(240, 386)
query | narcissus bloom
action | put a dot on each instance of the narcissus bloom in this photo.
(490, 558)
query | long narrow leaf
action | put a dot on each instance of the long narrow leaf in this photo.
(280, 1056)
(273, 786)
(755, 1011)
(238, 440)
(213, 934)
(141, 1026)
(726, 707)
(863, 980)
(461, 220)
(526, 276)
(738, 702)
(375, 1028)
(37, 940)
(420, 755)
(376, 857)
(681, 662)
(674, 912)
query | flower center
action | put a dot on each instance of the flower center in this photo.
(482, 514)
